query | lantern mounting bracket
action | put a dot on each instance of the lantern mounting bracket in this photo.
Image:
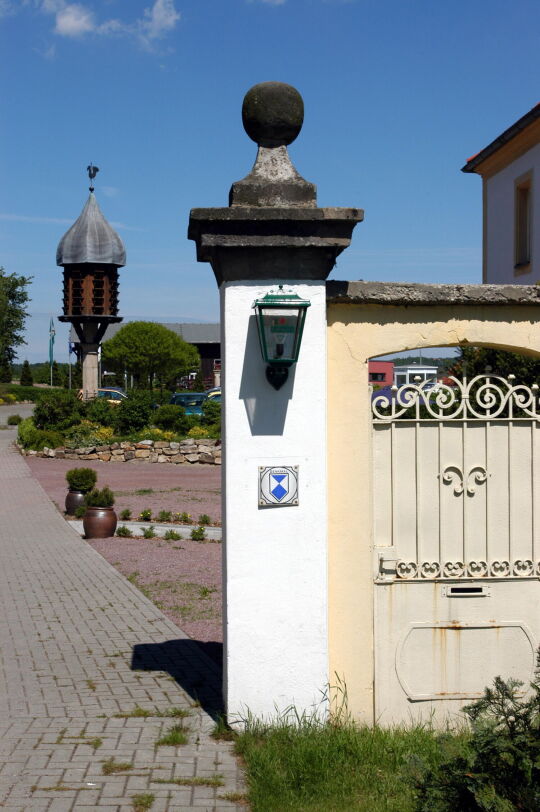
(277, 374)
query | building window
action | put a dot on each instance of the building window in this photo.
(376, 376)
(522, 229)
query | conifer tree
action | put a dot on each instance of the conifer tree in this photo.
(26, 375)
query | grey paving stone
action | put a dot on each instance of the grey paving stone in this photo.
(63, 612)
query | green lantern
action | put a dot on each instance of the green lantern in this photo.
(280, 322)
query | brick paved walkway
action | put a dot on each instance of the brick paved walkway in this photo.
(79, 644)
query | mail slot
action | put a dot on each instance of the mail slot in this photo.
(465, 591)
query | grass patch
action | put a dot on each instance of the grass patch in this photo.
(239, 798)
(222, 732)
(91, 684)
(95, 744)
(143, 713)
(175, 736)
(315, 766)
(143, 801)
(213, 781)
(110, 767)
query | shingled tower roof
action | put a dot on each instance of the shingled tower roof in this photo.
(91, 240)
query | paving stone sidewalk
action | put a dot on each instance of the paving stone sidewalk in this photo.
(78, 645)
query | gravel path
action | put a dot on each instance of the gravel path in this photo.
(195, 489)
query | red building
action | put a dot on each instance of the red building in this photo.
(381, 373)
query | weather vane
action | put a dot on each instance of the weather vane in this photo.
(92, 172)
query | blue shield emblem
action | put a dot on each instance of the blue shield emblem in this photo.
(279, 486)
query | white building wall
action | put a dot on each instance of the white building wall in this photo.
(499, 234)
(275, 558)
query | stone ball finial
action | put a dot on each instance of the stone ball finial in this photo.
(272, 114)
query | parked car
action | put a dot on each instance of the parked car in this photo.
(214, 394)
(113, 396)
(191, 402)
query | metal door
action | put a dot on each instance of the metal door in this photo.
(457, 543)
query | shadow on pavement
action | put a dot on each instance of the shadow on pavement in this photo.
(199, 676)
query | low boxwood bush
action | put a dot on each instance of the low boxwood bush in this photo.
(81, 479)
(14, 419)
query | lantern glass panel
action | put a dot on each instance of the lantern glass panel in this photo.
(281, 327)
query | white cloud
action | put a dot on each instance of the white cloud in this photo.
(77, 20)
(159, 19)
(74, 20)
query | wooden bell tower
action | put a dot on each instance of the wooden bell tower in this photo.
(90, 253)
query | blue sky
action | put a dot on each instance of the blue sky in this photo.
(398, 93)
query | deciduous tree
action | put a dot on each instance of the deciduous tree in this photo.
(150, 352)
(13, 301)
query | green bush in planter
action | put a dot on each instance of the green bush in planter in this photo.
(100, 498)
(81, 479)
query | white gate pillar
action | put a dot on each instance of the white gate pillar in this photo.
(274, 557)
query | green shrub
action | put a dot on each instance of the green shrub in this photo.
(149, 532)
(133, 413)
(31, 393)
(58, 409)
(124, 532)
(164, 516)
(125, 515)
(80, 511)
(171, 418)
(204, 518)
(88, 434)
(145, 515)
(198, 534)
(172, 535)
(9, 398)
(211, 412)
(499, 771)
(100, 411)
(81, 479)
(100, 498)
(36, 439)
(14, 419)
(183, 518)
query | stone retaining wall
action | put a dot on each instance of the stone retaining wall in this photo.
(163, 451)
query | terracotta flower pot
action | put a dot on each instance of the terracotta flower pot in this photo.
(74, 499)
(99, 522)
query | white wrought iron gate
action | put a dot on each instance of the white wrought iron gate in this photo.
(457, 542)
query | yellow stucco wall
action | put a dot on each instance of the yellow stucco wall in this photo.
(355, 334)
